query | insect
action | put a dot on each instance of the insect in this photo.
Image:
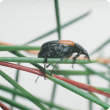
(60, 49)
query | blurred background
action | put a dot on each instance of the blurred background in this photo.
(24, 20)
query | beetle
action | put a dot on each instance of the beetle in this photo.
(61, 49)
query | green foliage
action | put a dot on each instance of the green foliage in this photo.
(21, 58)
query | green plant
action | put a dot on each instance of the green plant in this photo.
(64, 82)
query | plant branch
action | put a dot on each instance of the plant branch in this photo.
(68, 86)
(38, 72)
(17, 86)
(16, 47)
(41, 60)
(63, 26)
(18, 105)
(13, 91)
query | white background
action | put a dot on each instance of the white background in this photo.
(24, 20)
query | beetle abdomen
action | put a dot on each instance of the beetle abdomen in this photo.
(54, 50)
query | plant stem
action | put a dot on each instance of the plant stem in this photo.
(63, 26)
(73, 72)
(57, 18)
(20, 106)
(38, 72)
(91, 70)
(17, 86)
(41, 60)
(79, 91)
(13, 91)
(100, 47)
(16, 47)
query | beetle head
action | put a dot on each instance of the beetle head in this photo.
(87, 55)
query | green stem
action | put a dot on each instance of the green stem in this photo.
(13, 91)
(63, 26)
(79, 91)
(100, 47)
(106, 65)
(91, 70)
(14, 47)
(72, 72)
(17, 86)
(34, 64)
(103, 89)
(53, 94)
(90, 102)
(13, 103)
(70, 87)
(57, 18)
(16, 79)
(41, 60)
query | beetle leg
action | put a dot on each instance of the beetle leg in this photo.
(75, 58)
(57, 63)
(87, 57)
(48, 65)
(45, 61)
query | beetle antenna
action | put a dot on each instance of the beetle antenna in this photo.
(45, 61)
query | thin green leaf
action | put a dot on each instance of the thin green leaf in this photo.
(16, 79)
(18, 105)
(103, 89)
(13, 91)
(60, 80)
(53, 94)
(72, 72)
(34, 64)
(79, 91)
(91, 70)
(17, 86)
(100, 47)
(90, 102)
(94, 95)
(63, 26)
(41, 60)
(57, 18)
(106, 65)
(14, 47)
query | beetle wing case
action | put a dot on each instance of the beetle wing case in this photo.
(56, 49)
